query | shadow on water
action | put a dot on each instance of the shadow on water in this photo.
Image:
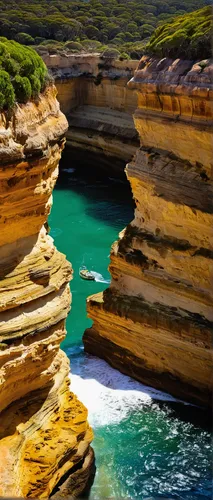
(105, 196)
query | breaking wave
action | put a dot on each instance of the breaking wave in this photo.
(108, 394)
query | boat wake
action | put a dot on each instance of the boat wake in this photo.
(99, 278)
(108, 394)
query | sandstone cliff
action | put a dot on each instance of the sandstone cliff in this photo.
(94, 96)
(155, 320)
(44, 434)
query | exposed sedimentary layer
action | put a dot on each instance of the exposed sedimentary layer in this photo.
(44, 434)
(155, 320)
(90, 79)
(93, 94)
(105, 135)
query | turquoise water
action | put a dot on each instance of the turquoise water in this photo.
(147, 445)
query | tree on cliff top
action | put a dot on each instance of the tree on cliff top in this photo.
(187, 36)
(29, 21)
(23, 74)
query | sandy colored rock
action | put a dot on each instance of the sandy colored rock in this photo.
(44, 434)
(94, 95)
(155, 320)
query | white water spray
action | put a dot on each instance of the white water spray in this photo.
(108, 394)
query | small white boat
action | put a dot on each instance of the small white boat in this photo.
(86, 275)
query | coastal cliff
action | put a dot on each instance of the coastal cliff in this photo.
(94, 96)
(44, 435)
(154, 322)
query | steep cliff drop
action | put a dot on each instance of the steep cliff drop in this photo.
(44, 435)
(154, 322)
(94, 96)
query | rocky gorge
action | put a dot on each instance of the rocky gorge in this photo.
(154, 322)
(44, 434)
(98, 104)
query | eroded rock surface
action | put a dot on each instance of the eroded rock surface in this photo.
(94, 96)
(44, 434)
(155, 320)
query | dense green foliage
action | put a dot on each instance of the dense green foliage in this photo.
(186, 36)
(22, 73)
(114, 22)
(98, 25)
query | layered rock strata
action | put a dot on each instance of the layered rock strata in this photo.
(93, 94)
(155, 320)
(44, 434)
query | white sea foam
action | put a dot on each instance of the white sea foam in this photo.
(108, 394)
(99, 278)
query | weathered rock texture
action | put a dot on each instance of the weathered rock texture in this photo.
(44, 432)
(93, 94)
(155, 320)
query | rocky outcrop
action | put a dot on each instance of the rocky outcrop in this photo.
(44, 434)
(155, 320)
(93, 94)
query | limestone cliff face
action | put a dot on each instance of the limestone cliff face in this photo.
(93, 94)
(88, 79)
(44, 432)
(155, 320)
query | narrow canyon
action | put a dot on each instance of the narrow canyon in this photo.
(154, 321)
(99, 106)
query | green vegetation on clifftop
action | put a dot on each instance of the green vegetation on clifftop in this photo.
(119, 23)
(22, 73)
(187, 36)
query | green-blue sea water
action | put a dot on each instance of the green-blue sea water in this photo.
(146, 444)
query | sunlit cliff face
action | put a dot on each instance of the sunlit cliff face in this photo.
(155, 320)
(98, 104)
(44, 431)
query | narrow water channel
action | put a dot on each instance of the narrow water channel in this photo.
(146, 444)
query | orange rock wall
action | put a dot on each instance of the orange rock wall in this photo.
(43, 427)
(87, 79)
(155, 320)
(109, 93)
(94, 95)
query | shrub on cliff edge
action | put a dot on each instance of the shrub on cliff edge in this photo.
(7, 94)
(23, 89)
(187, 36)
(75, 46)
(110, 53)
(23, 73)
